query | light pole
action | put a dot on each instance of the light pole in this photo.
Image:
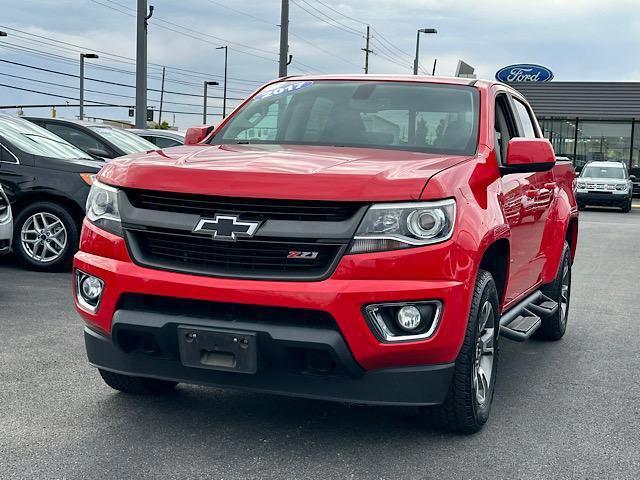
(224, 95)
(204, 100)
(82, 57)
(415, 60)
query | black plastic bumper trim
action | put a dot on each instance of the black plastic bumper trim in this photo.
(408, 386)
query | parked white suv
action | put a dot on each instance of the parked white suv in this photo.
(605, 183)
(6, 223)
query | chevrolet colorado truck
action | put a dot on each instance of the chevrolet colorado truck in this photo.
(364, 239)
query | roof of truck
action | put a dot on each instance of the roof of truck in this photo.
(396, 78)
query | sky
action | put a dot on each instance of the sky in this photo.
(579, 40)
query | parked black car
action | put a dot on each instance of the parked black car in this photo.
(161, 138)
(101, 141)
(47, 181)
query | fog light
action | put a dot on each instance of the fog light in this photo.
(88, 291)
(409, 318)
(404, 321)
(91, 288)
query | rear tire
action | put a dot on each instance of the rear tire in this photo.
(45, 237)
(554, 326)
(468, 403)
(136, 385)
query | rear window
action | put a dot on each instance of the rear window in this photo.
(388, 115)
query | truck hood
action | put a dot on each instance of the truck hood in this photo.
(276, 171)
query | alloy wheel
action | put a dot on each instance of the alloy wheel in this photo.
(485, 345)
(43, 237)
(565, 292)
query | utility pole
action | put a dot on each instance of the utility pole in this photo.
(161, 99)
(367, 51)
(224, 95)
(82, 57)
(284, 39)
(141, 63)
(204, 100)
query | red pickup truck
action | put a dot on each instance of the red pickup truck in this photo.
(365, 239)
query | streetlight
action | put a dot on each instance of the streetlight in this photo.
(415, 61)
(204, 100)
(3, 34)
(82, 57)
(224, 95)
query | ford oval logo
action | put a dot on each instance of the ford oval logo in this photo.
(524, 72)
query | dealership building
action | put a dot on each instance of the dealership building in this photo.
(588, 121)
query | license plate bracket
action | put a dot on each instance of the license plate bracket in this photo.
(218, 349)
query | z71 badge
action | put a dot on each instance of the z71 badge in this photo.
(305, 255)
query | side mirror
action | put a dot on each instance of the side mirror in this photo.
(529, 155)
(197, 134)
(632, 178)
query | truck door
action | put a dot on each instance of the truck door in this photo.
(520, 204)
(541, 192)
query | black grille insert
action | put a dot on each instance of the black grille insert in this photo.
(261, 209)
(244, 258)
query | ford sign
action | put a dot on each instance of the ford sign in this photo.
(524, 72)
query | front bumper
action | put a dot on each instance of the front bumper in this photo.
(422, 385)
(610, 198)
(6, 232)
(369, 370)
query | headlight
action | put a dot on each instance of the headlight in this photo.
(582, 184)
(102, 207)
(389, 226)
(621, 187)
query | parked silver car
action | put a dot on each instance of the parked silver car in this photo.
(607, 184)
(6, 223)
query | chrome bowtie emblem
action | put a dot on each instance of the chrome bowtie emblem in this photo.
(226, 227)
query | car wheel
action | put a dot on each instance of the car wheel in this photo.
(554, 326)
(136, 385)
(468, 403)
(46, 237)
(627, 207)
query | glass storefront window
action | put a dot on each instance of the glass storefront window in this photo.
(603, 141)
(562, 135)
(635, 158)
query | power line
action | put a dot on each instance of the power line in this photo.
(102, 104)
(44, 82)
(187, 32)
(42, 69)
(130, 61)
(336, 24)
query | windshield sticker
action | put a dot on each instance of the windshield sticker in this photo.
(287, 88)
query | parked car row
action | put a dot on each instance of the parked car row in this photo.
(46, 169)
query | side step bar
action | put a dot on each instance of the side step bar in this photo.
(522, 320)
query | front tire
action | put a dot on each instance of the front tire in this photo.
(627, 207)
(468, 403)
(136, 385)
(46, 237)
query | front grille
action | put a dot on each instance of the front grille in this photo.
(244, 258)
(250, 208)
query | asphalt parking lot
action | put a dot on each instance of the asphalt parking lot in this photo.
(569, 409)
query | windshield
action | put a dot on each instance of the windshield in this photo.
(126, 141)
(603, 172)
(390, 115)
(35, 140)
